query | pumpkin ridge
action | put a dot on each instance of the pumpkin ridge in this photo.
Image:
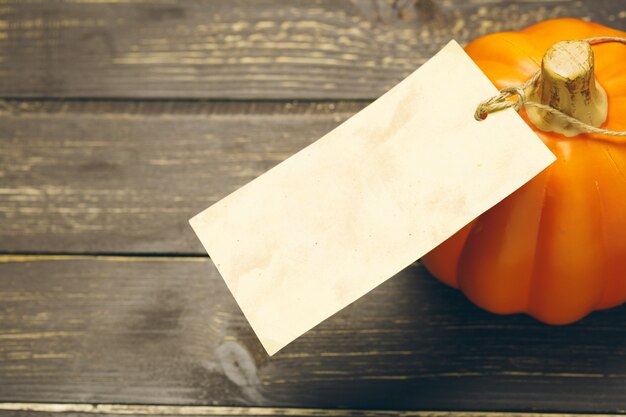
(533, 274)
(607, 300)
(464, 248)
(603, 232)
(614, 163)
(605, 159)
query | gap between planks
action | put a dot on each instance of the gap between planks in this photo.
(10, 258)
(183, 410)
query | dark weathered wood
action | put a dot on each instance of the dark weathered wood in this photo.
(113, 410)
(246, 49)
(126, 177)
(166, 331)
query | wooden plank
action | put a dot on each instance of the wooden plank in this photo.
(242, 49)
(166, 331)
(121, 177)
(110, 410)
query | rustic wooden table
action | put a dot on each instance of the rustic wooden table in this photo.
(121, 119)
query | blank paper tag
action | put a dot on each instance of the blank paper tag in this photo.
(335, 220)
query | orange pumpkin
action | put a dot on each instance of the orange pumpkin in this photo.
(556, 248)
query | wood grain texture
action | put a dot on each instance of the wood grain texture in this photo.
(111, 410)
(116, 177)
(123, 177)
(241, 49)
(166, 331)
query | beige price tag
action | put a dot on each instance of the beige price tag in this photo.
(335, 220)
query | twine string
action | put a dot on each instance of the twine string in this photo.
(503, 100)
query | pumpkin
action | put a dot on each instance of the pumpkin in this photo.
(555, 248)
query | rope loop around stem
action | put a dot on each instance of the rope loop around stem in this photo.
(503, 101)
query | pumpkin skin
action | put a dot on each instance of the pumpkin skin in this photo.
(555, 248)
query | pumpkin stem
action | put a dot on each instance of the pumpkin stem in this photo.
(567, 83)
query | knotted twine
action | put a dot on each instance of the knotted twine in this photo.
(501, 101)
